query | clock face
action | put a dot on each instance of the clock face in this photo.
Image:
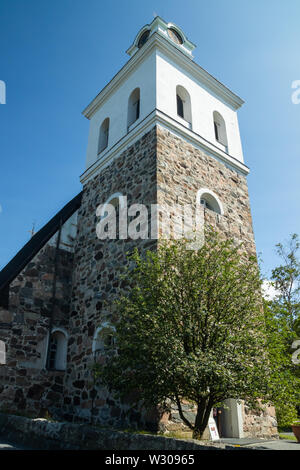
(175, 36)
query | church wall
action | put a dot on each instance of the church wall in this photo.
(25, 385)
(260, 423)
(203, 104)
(162, 168)
(96, 281)
(115, 107)
(182, 170)
(170, 171)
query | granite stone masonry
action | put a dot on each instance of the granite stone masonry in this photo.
(160, 168)
(44, 435)
(25, 384)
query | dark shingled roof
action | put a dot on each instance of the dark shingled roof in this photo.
(25, 255)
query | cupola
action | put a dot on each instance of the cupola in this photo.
(169, 31)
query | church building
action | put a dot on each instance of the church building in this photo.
(162, 132)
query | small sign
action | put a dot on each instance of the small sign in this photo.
(213, 430)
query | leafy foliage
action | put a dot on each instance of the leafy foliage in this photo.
(282, 321)
(191, 328)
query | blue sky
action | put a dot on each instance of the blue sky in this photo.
(55, 56)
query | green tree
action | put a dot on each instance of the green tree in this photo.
(282, 315)
(191, 328)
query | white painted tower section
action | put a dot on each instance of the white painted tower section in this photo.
(160, 65)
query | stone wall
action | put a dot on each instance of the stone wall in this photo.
(159, 168)
(96, 281)
(25, 384)
(182, 170)
(260, 423)
(45, 435)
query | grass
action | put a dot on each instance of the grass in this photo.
(287, 436)
(180, 434)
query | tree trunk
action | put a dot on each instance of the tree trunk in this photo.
(202, 417)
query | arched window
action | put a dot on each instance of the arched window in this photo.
(57, 353)
(209, 200)
(2, 353)
(104, 340)
(103, 135)
(220, 130)
(133, 107)
(143, 38)
(183, 102)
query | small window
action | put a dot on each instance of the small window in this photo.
(209, 200)
(2, 353)
(104, 340)
(179, 106)
(103, 135)
(183, 104)
(206, 204)
(216, 130)
(144, 38)
(57, 354)
(220, 130)
(52, 352)
(134, 107)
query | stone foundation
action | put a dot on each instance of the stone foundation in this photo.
(45, 435)
(260, 423)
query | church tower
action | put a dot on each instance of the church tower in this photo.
(162, 131)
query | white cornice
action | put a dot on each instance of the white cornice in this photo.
(159, 118)
(157, 42)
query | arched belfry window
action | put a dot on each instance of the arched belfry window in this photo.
(103, 135)
(183, 102)
(57, 352)
(209, 200)
(220, 129)
(143, 38)
(133, 107)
